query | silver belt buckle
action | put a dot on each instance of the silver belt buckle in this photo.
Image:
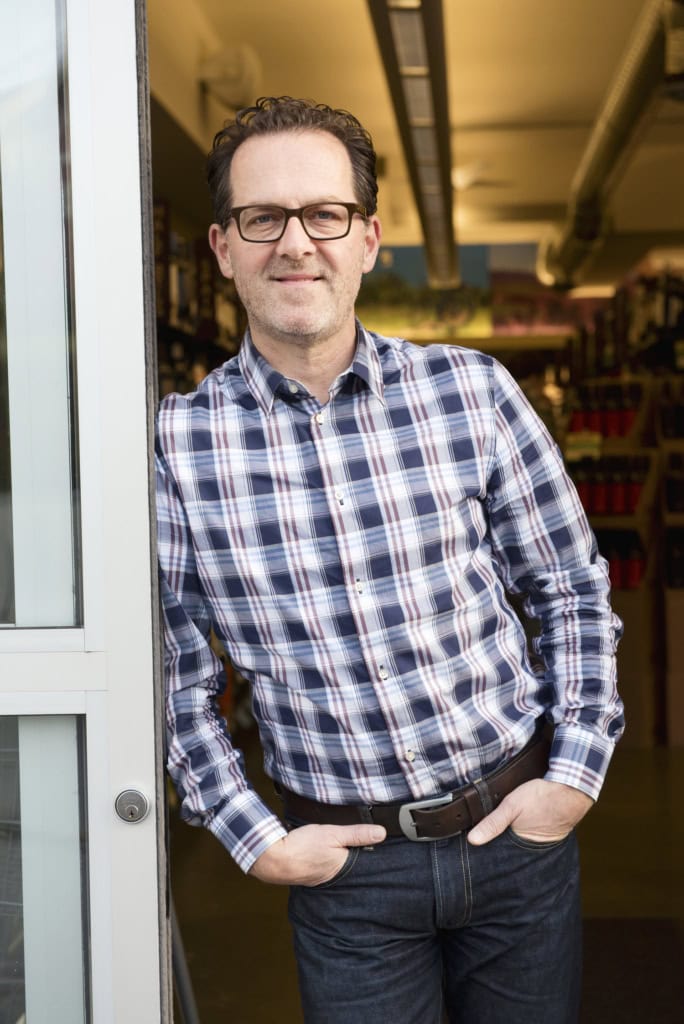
(408, 825)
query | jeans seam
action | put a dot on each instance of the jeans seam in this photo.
(467, 880)
(436, 881)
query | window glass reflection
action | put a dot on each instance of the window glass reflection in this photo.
(43, 845)
(39, 537)
(6, 560)
(11, 924)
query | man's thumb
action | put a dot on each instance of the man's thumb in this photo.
(362, 835)
(491, 826)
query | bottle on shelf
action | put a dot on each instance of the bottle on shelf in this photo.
(632, 396)
(626, 557)
(611, 418)
(581, 475)
(617, 487)
(611, 485)
(598, 488)
(609, 409)
(635, 563)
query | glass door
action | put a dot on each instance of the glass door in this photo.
(83, 916)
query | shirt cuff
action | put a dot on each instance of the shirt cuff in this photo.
(246, 827)
(579, 758)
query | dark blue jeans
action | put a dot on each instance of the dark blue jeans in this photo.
(420, 933)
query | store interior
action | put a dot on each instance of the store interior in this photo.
(530, 162)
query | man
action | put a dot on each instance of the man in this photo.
(347, 512)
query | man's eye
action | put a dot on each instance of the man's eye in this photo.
(263, 217)
(326, 213)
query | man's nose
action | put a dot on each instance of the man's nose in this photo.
(294, 240)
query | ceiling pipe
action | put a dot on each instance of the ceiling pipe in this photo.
(630, 99)
(674, 50)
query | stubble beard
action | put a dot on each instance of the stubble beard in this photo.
(306, 325)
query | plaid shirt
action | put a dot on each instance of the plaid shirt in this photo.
(354, 561)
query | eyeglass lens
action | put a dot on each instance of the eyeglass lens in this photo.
(267, 223)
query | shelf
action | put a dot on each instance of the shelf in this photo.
(597, 389)
(642, 520)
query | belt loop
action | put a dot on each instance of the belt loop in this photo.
(366, 816)
(482, 789)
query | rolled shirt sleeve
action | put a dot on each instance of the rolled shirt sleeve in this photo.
(206, 769)
(548, 553)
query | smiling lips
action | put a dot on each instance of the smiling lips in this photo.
(296, 279)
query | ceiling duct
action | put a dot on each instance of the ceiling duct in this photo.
(410, 35)
(630, 99)
(674, 50)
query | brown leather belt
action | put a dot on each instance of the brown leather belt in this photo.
(437, 817)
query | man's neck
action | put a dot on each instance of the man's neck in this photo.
(314, 364)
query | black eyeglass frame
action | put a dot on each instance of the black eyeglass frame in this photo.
(289, 212)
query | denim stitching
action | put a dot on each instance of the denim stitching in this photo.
(467, 880)
(436, 883)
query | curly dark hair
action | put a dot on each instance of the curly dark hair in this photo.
(272, 114)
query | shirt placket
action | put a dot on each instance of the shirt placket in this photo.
(388, 686)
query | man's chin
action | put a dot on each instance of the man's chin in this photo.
(298, 329)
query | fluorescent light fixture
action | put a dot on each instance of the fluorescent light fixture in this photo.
(428, 175)
(424, 144)
(418, 99)
(410, 35)
(409, 39)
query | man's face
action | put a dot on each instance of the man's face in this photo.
(296, 290)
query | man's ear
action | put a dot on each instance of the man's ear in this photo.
(218, 240)
(372, 243)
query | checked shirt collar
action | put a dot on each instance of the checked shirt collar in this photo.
(267, 384)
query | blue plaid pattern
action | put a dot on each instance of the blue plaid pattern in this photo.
(353, 559)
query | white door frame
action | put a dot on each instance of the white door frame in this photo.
(108, 669)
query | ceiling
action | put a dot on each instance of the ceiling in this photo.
(526, 80)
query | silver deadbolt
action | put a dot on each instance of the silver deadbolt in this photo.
(131, 805)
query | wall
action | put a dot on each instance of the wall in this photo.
(179, 39)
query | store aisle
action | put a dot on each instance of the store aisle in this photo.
(238, 944)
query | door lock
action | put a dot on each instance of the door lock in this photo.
(131, 805)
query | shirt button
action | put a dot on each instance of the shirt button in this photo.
(359, 586)
(293, 388)
(410, 755)
(320, 418)
(339, 497)
(383, 673)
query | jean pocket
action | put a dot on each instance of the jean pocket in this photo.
(352, 857)
(523, 843)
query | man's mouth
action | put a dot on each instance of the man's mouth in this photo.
(296, 278)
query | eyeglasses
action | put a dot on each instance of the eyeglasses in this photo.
(321, 221)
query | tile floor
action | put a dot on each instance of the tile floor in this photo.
(237, 940)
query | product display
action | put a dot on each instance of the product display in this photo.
(624, 443)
